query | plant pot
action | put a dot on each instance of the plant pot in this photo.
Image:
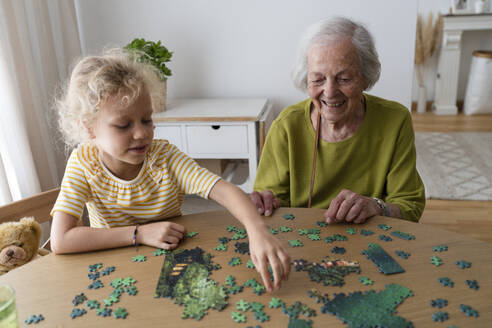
(161, 106)
(422, 100)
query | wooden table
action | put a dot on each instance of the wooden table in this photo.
(48, 285)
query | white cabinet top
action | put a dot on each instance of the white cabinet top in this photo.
(213, 109)
(468, 22)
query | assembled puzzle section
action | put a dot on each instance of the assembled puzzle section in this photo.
(185, 278)
(385, 263)
(370, 309)
(329, 272)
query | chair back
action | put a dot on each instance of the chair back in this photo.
(39, 206)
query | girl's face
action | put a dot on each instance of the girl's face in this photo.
(123, 135)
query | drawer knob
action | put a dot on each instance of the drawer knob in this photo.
(215, 127)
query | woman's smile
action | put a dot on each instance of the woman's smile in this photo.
(333, 104)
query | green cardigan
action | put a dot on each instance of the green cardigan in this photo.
(377, 161)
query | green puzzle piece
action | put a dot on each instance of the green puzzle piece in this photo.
(120, 313)
(402, 235)
(285, 229)
(239, 235)
(259, 289)
(351, 231)
(256, 306)
(93, 304)
(238, 317)
(276, 303)
(261, 316)
(335, 237)
(132, 290)
(221, 247)
(435, 260)
(128, 281)
(302, 232)
(313, 236)
(365, 281)
(295, 243)
(242, 305)
(235, 261)
(160, 252)
(440, 248)
(250, 264)
(230, 280)
(139, 258)
(118, 282)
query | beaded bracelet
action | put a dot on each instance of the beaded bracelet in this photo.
(135, 237)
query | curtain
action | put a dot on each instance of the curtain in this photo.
(39, 39)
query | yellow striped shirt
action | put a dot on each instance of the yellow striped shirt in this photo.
(167, 174)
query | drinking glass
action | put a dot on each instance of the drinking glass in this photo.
(8, 311)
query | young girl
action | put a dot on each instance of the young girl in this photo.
(129, 181)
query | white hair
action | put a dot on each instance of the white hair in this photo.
(332, 29)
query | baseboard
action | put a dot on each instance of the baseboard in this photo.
(428, 107)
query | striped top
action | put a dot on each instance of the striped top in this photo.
(167, 174)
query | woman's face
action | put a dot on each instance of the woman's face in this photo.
(334, 80)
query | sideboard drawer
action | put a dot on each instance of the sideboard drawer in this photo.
(172, 133)
(217, 139)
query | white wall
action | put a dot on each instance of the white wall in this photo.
(245, 48)
(471, 41)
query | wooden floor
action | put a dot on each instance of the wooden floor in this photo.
(429, 122)
(473, 218)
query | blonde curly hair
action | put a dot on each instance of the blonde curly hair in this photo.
(115, 73)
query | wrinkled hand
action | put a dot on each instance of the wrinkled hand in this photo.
(165, 235)
(267, 250)
(265, 202)
(349, 206)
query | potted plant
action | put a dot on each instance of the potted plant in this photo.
(153, 53)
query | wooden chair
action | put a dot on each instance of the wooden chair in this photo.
(39, 206)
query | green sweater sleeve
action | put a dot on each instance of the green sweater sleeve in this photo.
(273, 170)
(403, 184)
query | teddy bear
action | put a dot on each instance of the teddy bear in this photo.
(19, 243)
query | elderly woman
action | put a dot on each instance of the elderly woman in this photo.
(359, 146)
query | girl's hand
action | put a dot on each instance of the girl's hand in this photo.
(267, 250)
(165, 235)
(349, 206)
(265, 202)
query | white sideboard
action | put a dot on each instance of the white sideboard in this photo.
(217, 129)
(449, 58)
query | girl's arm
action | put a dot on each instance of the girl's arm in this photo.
(265, 249)
(67, 236)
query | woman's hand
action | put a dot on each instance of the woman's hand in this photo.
(265, 202)
(267, 250)
(165, 235)
(349, 206)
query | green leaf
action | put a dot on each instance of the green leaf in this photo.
(153, 53)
